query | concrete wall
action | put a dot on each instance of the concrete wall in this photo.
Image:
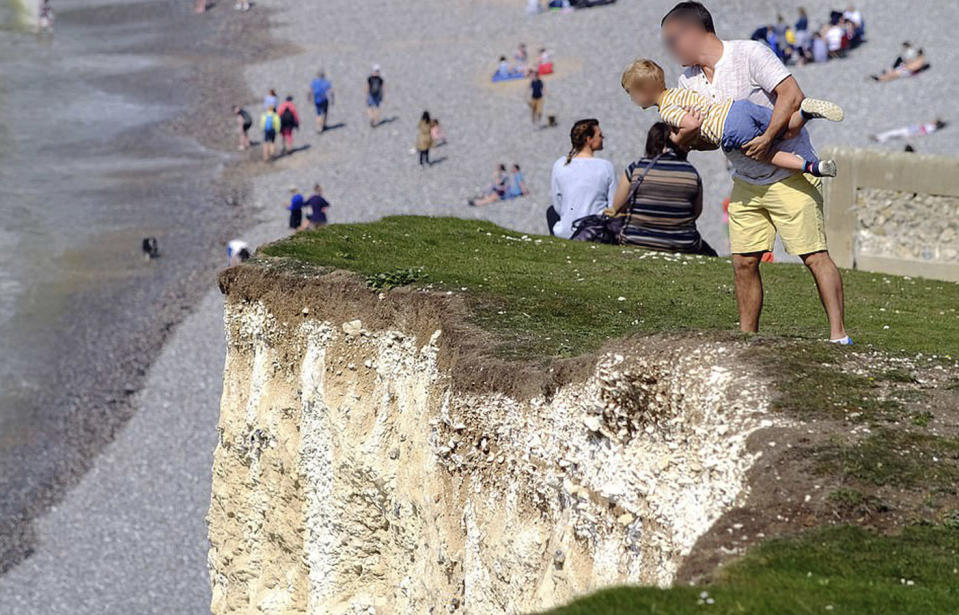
(894, 213)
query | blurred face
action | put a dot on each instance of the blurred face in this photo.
(645, 94)
(683, 40)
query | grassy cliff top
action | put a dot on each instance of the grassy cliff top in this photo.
(550, 296)
(878, 438)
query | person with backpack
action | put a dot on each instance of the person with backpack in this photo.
(289, 121)
(270, 122)
(322, 91)
(243, 122)
(374, 95)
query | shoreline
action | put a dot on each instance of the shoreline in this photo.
(95, 402)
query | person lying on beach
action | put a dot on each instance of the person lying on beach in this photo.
(728, 124)
(904, 67)
(905, 132)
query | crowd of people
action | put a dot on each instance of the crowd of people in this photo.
(798, 42)
(279, 120)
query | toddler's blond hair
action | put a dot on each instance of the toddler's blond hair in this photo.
(643, 71)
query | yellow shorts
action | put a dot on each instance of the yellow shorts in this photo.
(536, 104)
(791, 207)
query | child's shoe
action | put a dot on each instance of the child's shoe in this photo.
(813, 108)
(826, 168)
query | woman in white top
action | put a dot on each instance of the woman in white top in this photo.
(581, 185)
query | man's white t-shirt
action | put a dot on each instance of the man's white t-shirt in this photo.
(749, 70)
(584, 187)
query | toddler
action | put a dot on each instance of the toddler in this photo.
(728, 124)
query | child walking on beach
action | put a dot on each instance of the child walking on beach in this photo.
(270, 122)
(728, 124)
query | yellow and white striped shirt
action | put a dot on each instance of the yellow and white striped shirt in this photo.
(672, 103)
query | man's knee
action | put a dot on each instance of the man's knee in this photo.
(816, 259)
(747, 264)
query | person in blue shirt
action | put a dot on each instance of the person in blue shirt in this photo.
(322, 91)
(296, 209)
(517, 185)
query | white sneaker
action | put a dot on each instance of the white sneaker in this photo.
(845, 341)
(828, 168)
(824, 109)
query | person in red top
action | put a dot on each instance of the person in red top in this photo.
(289, 121)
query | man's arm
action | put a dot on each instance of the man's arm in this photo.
(788, 98)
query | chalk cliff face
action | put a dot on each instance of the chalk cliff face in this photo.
(354, 475)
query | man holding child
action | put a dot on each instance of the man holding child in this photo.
(766, 200)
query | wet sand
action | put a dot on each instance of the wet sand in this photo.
(134, 140)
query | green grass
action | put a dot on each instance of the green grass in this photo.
(835, 570)
(545, 296)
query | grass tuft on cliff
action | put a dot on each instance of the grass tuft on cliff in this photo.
(835, 570)
(547, 296)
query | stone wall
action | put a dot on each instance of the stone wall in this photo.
(904, 225)
(894, 212)
(353, 475)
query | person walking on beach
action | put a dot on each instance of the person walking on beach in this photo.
(270, 100)
(424, 138)
(374, 95)
(243, 122)
(45, 18)
(318, 206)
(581, 184)
(536, 96)
(322, 91)
(296, 209)
(289, 121)
(766, 200)
(270, 123)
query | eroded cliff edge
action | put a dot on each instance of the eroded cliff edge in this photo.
(372, 459)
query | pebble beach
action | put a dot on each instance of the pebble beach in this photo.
(130, 536)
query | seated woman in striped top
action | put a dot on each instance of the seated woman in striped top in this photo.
(728, 124)
(660, 198)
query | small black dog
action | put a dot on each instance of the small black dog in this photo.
(151, 249)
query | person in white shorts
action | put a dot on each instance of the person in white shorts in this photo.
(766, 200)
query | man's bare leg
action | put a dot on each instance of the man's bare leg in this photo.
(829, 282)
(749, 290)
